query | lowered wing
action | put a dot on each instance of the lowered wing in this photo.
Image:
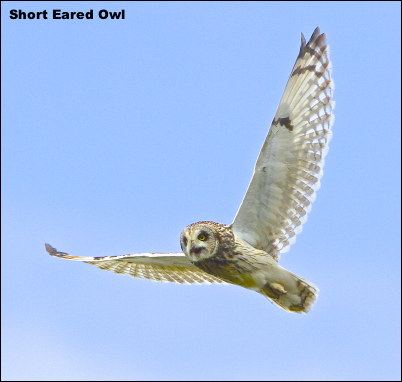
(173, 267)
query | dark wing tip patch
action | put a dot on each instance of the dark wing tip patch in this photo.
(50, 250)
(54, 252)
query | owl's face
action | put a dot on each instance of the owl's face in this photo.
(200, 241)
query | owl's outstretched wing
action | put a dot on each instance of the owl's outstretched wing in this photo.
(289, 167)
(174, 267)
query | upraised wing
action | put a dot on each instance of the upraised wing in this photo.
(289, 167)
(173, 267)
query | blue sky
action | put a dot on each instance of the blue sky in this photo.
(116, 134)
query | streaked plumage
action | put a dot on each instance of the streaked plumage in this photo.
(285, 180)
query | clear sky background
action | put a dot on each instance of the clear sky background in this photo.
(116, 134)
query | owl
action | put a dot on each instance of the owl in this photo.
(283, 186)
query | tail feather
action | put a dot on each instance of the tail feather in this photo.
(292, 294)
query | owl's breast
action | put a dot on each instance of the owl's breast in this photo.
(234, 270)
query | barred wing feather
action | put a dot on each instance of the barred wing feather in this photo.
(173, 267)
(289, 167)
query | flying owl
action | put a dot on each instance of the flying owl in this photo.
(285, 180)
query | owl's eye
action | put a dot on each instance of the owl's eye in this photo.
(202, 237)
(184, 240)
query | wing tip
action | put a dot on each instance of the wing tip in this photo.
(303, 41)
(316, 39)
(50, 250)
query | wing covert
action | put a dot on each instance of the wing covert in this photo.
(172, 267)
(289, 167)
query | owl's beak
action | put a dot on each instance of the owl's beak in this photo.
(194, 250)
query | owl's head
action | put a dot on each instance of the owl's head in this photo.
(203, 240)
